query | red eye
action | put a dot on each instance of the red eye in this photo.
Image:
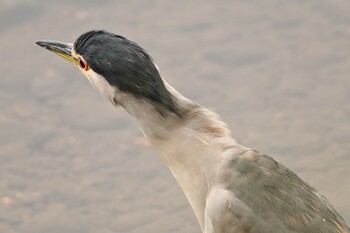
(83, 64)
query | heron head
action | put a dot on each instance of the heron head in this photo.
(115, 66)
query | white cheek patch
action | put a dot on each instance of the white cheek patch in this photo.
(100, 84)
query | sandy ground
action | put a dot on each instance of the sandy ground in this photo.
(277, 72)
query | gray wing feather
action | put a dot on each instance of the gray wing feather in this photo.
(268, 197)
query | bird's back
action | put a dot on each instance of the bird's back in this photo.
(265, 196)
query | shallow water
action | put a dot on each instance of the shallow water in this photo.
(277, 72)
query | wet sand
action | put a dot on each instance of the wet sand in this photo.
(277, 72)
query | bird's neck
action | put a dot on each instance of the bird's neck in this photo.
(192, 146)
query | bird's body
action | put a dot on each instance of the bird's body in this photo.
(231, 188)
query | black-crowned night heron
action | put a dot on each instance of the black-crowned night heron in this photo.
(231, 188)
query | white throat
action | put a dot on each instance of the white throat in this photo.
(192, 146)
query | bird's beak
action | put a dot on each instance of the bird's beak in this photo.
(60, 48)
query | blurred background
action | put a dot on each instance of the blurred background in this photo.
(276, 71)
